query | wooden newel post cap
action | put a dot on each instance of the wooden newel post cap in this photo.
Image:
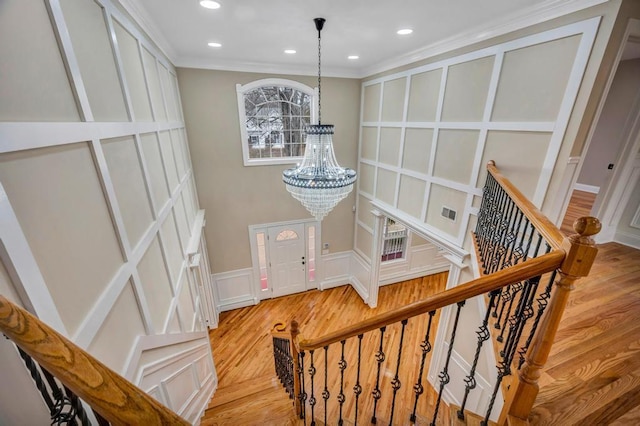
(587, 226)
(580, 248)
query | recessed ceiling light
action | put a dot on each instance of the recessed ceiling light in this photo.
(353, 57)
(210, 4)
(405, 31)
(289, 51)
(214, 44)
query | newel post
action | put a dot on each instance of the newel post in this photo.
(295, 332)
(580, 254)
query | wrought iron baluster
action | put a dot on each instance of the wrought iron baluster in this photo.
(523, 312)
(376, 391)
(483, 336)
(543, 301)
(342, 364)
(312, 398)
(395, 383)
(444, 374)
(512, 239)
(76, 403)
(501, 250)
(325, 391)
(37, 378)
(303, 393)
(418, 389)
(515, 289)
(489, 223)
(357, 388)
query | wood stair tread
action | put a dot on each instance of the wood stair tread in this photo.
(228, 394)
(470, 419)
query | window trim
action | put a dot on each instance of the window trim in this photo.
(242, 89)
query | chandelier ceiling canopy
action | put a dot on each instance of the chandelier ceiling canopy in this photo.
(319, 182)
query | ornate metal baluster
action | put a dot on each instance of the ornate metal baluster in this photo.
(357, 388)
(303, 394)
(523, 312)
(426, 348)
(483, 336)
(37, 378)
(76, 403)
(376, 391)
(511, 295)
(395, 383)
(511, 240)
(325, 391)
(444, 374)
(501, 247)
(312, 398)
(542, 300)
(342, 364)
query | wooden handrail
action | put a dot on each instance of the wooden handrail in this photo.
(545, 227)
(109, 394)
(531, 268)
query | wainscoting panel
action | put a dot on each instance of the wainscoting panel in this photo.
(185, 380)
(335, 270)
(235, 289)
(360, 275)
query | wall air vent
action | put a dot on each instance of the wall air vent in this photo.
(448, 213)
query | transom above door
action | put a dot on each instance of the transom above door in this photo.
(284, 257)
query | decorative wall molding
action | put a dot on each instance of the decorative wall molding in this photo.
(563, 195)
(234, 289)
(335, 269)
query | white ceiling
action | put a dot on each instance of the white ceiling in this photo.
(255, 33)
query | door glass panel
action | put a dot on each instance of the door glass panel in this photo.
(312, 253)
(262, 260)
(287, 234)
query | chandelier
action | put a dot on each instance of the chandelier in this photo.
(319, 182)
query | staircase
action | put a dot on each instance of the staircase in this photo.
(259, 401)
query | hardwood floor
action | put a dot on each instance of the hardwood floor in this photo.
(593, 373)
(242, 350)
(579, 205)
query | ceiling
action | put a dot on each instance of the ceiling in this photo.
(255, 33)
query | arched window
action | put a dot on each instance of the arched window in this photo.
(273, 116)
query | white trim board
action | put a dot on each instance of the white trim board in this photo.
(586, 188)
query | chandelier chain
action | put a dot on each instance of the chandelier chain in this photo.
(319, 83)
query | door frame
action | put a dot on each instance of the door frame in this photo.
(254, 230)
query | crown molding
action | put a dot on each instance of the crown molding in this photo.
(542, 12)
(140, 15)
(265, 68)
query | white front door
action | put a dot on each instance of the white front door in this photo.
(287, 258)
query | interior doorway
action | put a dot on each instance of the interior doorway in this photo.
(284, 257)
(609, 170)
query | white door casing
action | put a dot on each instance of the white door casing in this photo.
(287, 259)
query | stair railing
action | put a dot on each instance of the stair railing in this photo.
(517, 248)
(78, 375)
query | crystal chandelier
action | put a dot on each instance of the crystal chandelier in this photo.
(319, 182)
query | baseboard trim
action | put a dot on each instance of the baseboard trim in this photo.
(413, 274)
(237, 302)
(627, 239)
(586, 188)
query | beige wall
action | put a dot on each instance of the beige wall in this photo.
(235, 196)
